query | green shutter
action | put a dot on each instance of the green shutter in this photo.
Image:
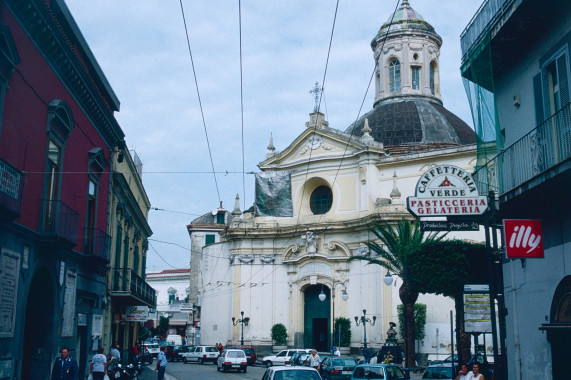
(563, 80)
(538, 97)
(210, 239)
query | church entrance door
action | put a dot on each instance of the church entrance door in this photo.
(317, 314)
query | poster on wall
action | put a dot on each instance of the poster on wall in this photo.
(477, 314)
(9, 275)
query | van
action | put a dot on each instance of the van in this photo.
(174, 339)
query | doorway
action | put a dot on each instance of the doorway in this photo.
(38, 349)
(560, 337)
(317, 325)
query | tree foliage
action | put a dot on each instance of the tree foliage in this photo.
(279, 334)
(163, 326)
(419, 320)
(345, 325)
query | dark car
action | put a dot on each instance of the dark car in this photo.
(174, 352)
(337, 368)
(249, 351)
(299, 358)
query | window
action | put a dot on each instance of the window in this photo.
(432, 74)
(321, 200)
(209, 239)
(220, 217)
(394, 75)
(91, 213)
(415, 70)
(53, 181)
(551, 86)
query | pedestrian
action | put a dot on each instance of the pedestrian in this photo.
(218, 347)
(464, 374)
(98, 365)
(336, 351)
(314, 359)
(136, 352)
(65, 367)
(114, 353)
(476, 375)
(366, 355)
(162, 363)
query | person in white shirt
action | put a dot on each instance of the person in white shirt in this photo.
(162, 363)
(464, 374)
(98, 365)
(314, 359)
(336, 352)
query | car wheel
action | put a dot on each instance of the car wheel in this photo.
(217, 367)
(268, 364)
(245, 369)
(200, 361)
(184, 360)
(223, 369)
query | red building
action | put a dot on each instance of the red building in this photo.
(57, 138)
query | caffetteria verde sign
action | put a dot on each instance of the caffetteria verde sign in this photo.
(446, 190)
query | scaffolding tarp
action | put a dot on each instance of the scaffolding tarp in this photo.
(273, 194)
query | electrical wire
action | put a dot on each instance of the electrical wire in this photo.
(199, 100)
(166, 262)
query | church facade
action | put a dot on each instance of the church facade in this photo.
(276, 269)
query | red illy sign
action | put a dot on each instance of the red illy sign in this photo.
(523, 238)
(446, 190)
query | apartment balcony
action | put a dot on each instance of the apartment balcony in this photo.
(542, 154)
(11, 187)
(60, 223)
(96, 244)
(131, 288)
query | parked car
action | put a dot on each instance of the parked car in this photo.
(291, 373)
(201, 355)
(378, 371)
(153, 348)
(232, 359)
(249, 351)
(175, 353)
(282, 356)
(337, 368)
(439, 371)
(299, 358)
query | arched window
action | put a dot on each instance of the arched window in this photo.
(432, 74)
(394, 75)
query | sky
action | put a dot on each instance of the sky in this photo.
(142, 48)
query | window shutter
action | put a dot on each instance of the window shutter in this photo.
(210, 239)
(563, 80)
(537, 93)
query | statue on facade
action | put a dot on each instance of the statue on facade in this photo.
(310, 241)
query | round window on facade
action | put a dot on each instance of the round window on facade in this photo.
(321, 200)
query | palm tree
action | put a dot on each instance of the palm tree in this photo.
(393, 255)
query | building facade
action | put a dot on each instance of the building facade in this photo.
(126, 286)
(516, 66)
(58, 136)
(293, 267)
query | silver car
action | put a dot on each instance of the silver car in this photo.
(232, 360)
(291, 373)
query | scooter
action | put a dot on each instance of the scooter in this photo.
(125, 372)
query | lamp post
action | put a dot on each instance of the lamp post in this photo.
(363, 321)
(243, 321)
(344, 296)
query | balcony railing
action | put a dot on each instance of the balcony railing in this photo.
(96, 243)
(127, 283)
(60, 220)
(11, 185)
(540, 150)
(482, 21)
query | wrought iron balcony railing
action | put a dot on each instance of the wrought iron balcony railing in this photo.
(96, 243)
(127, 283)
(11, 186)
(60, 220)
(538, 151)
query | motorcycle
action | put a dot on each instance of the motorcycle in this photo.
(126, 372)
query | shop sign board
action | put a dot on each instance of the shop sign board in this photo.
(137, 313)
(523, 238)
(477, 315)
(446, 190)
(444, 225)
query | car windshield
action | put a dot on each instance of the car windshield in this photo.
(210, 349)
(248, 350)
(368, 373)
(344, 362)
(438, 373)
(236, 354)
(296, 375)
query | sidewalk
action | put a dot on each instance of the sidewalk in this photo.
(150, 374)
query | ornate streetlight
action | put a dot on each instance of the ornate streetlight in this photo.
(363, 321)
(243, 321)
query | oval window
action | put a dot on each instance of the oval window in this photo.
(321, 200)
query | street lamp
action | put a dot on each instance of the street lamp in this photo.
(363, 321)
(243, 321)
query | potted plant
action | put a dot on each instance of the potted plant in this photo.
(279, 337)
(342, 334)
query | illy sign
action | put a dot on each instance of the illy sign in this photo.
(523, 238)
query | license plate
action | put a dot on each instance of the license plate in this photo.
(235, 365)
(346, 372)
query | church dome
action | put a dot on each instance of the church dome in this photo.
(414, 121)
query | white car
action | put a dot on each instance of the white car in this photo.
(291, 373)
(153, 349)
(201, 355)
(232, 359)
(282, 356)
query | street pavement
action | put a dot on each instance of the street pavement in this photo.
(181, 371)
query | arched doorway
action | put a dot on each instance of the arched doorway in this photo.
(560, 333)
(316, 318)
(38, 328)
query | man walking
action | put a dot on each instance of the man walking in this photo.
(98, 365)
(162, 363)
(65, 367)
(314, 359)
